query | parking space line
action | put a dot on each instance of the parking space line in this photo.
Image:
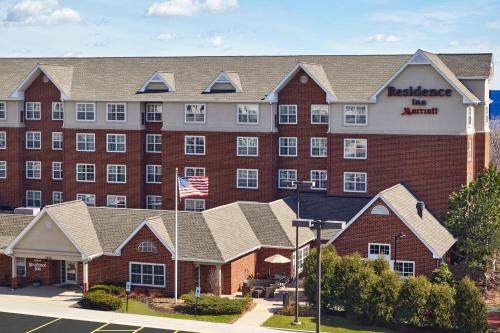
(137, 330)
(44, 325)
(97, 329)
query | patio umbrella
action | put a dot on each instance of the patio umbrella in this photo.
(277, 259)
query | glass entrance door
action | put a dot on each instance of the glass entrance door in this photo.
(71, 272)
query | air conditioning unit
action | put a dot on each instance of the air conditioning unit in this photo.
(32, 211)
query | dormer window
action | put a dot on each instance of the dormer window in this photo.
(225, 82)
(159, 82)
(146, 247)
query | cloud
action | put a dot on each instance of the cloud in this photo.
(381, 38)
(189, 7)
(40, 12)
(166, 36)
(215, 41)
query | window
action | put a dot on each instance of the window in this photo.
(116, 112)
(57, 111)
(33, 198)
(85, 111)
(354, 182)
(33, 140)
(247, 178)
(469, 150)
(303, 253)
(404, 268)
(57, 170)
(319, 114)
(192, 171)
(153, 174)
(153, 201)
(470, 116)
(288, 114)
(153, 112)
(116, 143)
(195, 113)
(319, 179)
(33, 110)
(375, 250)
(3, 169)
(247, 146)
(33, 170)
(355, 115)
(3, 140)
(288, 146)
(318, 147)
(355, 148)
(247, 114)
(285, 177)
(3, 110)
(85, 142)
(194, 205)
(152, 275)
(153, 143)
(88, 199)
(20, 266)
(85, 172)
(57, 197)
(146, 247)
(57, 141)
(117, 173)
(116, 201)
(194, 145)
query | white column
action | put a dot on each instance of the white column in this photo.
(85, 276)
(14, 274)
(218, 279)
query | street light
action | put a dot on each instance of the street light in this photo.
(297, 184)
(400, 236)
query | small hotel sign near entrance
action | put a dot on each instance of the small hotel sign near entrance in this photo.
(419, 103)
(37, 264)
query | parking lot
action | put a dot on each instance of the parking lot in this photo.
(19, 323)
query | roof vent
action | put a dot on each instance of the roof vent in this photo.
(31, 211)
(420, 208)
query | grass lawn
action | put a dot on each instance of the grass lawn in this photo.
(332, 324)
(137, 307)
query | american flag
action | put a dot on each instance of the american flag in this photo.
(195, 186)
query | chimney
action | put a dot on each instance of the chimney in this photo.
(420, 208)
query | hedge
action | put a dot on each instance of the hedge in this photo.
(110, 288)
(101, 300)
(470, 310)
(209, 304)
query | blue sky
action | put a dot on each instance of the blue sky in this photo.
(30, 28)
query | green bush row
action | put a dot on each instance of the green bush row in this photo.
(110, 288)
(209, 304)
(101, 300)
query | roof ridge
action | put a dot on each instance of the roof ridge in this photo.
(64, 203)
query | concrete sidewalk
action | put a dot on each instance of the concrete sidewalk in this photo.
(263, 310)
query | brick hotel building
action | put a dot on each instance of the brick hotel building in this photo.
(111, 131)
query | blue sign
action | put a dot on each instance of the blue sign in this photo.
(197, 292)
(495, 105)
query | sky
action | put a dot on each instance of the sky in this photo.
(79, 28)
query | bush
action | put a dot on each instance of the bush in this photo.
(384, 297)
(359, 291)
(412, 300)
(442, 274)
(440, 306)
(209, 304)
(380, 265)
(110, 288)
(101, 300)
(304, 311)
(470, 310)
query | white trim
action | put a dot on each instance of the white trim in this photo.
(288, 147)
(26, 110)
(327, 114)
(85, 134)
(4, 110)
(116, 174)
(355, 109)
(115, 196)
(118, 250)
(189, 167)
(288, 115)
(86, 195)
(86, 120)
(247, 187)
(311, 179)
(32, 169)
(52, 111)
(376, 256)
(26, 197)
(147, 143)
(148, 196)
(403, 261)
(355, 143)
(4, 162)
(311, 147)
(246, 139)
(4, 134)
(195, 122)
(124, 111)
(130, 263)
(154, 174)
(354, 191)
(19, 95)
(124, 142)
(57, 162)
(194, 200)
(26, 140)
(84, 181)
(62, 141)
(195, 136)
(155, 113)
(247, 123)
(288, 187)
(62, 198)
(144, 86)
(222, 73)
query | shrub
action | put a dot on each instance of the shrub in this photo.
(412, 300)
(379, 265)
(110, 288)
(384, 297)
(304, 311)
(359, 291)
(442, 274)
(470, 310)
(209, 304)
(440, 306)
(101, 300)
(346, 271)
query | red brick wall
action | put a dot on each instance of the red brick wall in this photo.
(235, 272)
(370, 228)
(48, 275)
(5, 270)
(481, 151)
(264, 268)
(12, 193)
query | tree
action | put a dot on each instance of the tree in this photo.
(442, 274)
(470, 309)
(412, 300)
(440, 305)
(384, 297)
(474, 218)
(495, 141)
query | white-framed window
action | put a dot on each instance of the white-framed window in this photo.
(287, 114)
(33, 110)
(194, 145)
(85, 141)
(3, 110)
(247, 146)
(319, 114)
(470, 116)
(404, 268)
(116, 143)
(285, 177)
(247, 178)
(375, 250)
(355, 148)
(116, 112)
(153, 174)
(319, 177)
(3, 140)
(57, 141)
(85, 172)
(153, 201)
(116, 173)
(88, 199)
(153, 112)
(57, 170)
(194, 171)
(247, 114)
(355, 182)
(3, 169)
(85, 111)
(145, 274)
(116, 201)
(318, 147)
(33, 170)
(33, 198)
(20, 266)
(194, 205)
(469, 150)
(146, 246)
(33, 140)
(303, 253)
(57, 111)
(355, 115)
(288, 146)
(195, 113)
(57, 197)
(153, 143)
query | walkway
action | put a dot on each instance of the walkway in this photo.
(262, 311)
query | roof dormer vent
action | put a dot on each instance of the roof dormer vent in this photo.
(420, 208)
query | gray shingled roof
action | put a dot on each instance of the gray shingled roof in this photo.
(11, 226)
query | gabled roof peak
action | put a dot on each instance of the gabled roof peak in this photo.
(159, 81)
(231, 78)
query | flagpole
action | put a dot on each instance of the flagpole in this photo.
(176, 231)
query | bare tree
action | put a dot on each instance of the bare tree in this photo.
(495, 140)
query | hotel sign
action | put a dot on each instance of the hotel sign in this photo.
(419, 105)
(37, 264)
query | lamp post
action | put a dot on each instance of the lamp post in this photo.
(400, 236)
(297, 184)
